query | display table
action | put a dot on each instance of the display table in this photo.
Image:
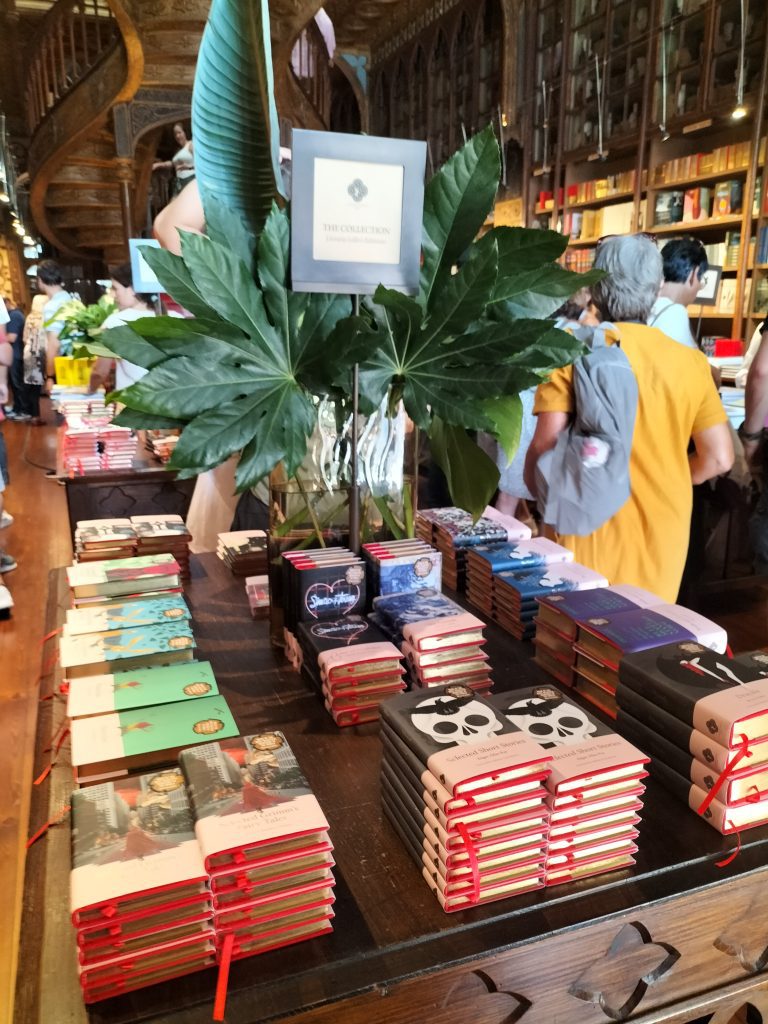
(670, 940)
(147, 487)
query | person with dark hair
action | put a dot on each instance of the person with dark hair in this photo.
(131, 305)
(183, 161)
(20, 409)
(50, 281)
(685, 264)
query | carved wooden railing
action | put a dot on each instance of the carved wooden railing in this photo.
(73, 38)
(311, 71)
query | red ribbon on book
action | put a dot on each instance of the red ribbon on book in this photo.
(474, 867)
(51, 635)
(49, 767)
(222, 982)
(49, 824)
(741, 752)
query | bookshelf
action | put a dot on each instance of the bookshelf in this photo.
(647, 141)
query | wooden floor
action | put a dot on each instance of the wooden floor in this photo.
(39, 540)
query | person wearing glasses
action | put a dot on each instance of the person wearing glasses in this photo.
(685, 264)
(646, 541)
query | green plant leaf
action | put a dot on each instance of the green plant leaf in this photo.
(523, 248)
(234, 118)
(472, 476)
(177, 281)
(281, 435)
(124, 343)
(506, 414)
(539, 291)
(456, 202)
(145, 421)
(461, 298)
(224, 226)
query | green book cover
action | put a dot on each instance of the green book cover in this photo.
(120, 644)
(114, 569)
(120, 691)
(141, 731)
(126, 615)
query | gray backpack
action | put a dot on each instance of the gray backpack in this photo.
(584, 480)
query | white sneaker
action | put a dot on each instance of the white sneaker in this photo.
(5, 520)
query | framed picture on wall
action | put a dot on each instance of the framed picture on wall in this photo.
(710, 285)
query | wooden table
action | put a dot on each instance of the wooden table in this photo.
(144, 488)
(672, 939)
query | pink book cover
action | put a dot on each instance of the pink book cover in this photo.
(246, 945)
(463, 896)
(513, 827)
(581, 856)
(229, 892)
(727, 819)
(558, 876)
(108, 946)
(119, 984)
(166, 953)
(375, 685)
(745, 785)
(626, 831)
(620, 801)
(424, 659)
(494, 796)
(466, 672)
(346, 716)
(716, 757)
(113, 918)
(730, 714)
(584, 797)
(572, 828)
(490, 856)
(346, 662)
(268, 864)
(276, 905)
(346, 699)
(526, 806)
(520, 868)
(418, 634)
(708, 633)
(465, 768)
(586, 764)
(491, 843)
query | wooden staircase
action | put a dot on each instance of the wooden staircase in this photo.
(106, 76)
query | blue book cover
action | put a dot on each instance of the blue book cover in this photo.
(637, 630)
(584, 604)
(549, 579)
(400, 609)
(410, 573)
(521, 554)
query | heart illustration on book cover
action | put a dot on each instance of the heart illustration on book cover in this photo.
(339, 597)
(346, 631)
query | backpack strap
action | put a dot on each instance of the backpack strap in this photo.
(658, 312)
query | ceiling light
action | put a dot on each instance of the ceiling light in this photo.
(28, 239)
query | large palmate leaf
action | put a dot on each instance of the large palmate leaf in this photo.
(177, 281)
(456, 202)
(234, 118)
(237, 379)
(472, 476)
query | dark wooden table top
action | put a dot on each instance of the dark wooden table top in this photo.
(388, 925)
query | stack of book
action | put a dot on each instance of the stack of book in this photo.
(603, 641)
(103, 581)
(264, 840)
(244, 552)
(163, 534)
(161, 443)
(557, 624)
(257, 592)
(452, 531)
(90, 446)
(401, 566)
(352, 665)
(132, 614)
(516, 594)
(392, 612)
(139, 894)
(485, 560)
(99, 539)
(695, 711)
(453, 763)
(595, 787)
(447, 650)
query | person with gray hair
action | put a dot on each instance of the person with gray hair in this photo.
(645, 543)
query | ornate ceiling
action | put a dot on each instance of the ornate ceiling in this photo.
(367, 23)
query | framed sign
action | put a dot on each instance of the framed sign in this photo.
(710, 283)
(144, 279)
(356, 212)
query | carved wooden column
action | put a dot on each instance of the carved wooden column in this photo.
(121, 114)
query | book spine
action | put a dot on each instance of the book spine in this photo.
(654, 744)
(629, 700)
(666, 697)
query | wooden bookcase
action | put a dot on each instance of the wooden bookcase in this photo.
(646, 89)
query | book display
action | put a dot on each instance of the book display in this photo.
(453, 532)
(100, 539)
(244, 551)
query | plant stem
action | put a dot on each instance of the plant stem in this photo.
(311, 511)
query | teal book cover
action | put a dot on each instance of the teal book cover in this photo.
(120, 691)
(119, 644)
(127, 615)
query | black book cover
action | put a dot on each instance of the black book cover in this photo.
(329, 591)
(400, 609)
(652, 716)
(655, 745)
(548, 716)
(316, 637)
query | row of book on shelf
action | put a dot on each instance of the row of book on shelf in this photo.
(219, 848)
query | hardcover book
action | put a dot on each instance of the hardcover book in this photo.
(108, 746)
(121, 691)
(548, 579)
(360, 661)
(451, 631)
(608, 637)
(397, 573)
(332, 634)
(563, 611)
(725, 820)
(517, 555)
(130, 838)
(93, 653)
(330, 591)
(249, 794)
(710, 692)
(401, 609)
(458, 526)
(123, 576)
(126, 615)
(462, 739)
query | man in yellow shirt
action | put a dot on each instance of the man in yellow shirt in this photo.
(646, 541)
